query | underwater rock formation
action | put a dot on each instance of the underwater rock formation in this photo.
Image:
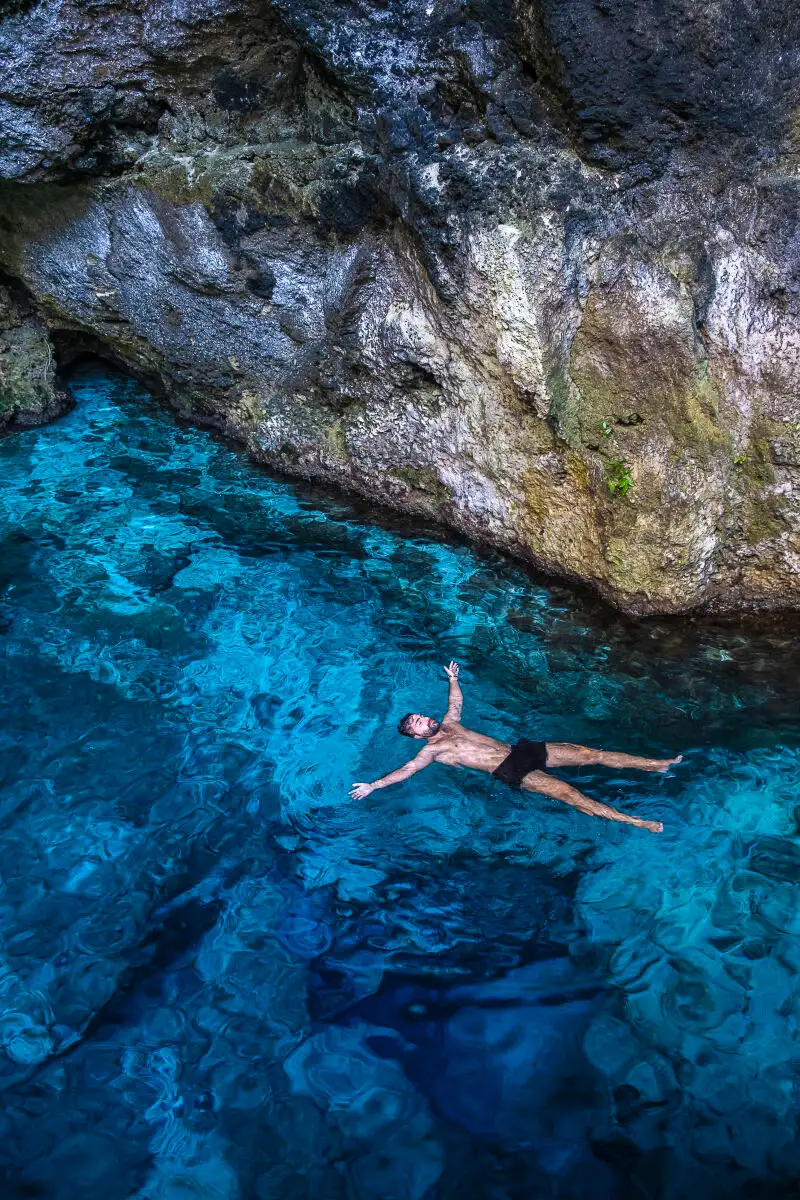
(528, 269)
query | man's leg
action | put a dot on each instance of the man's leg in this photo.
(565, 754)
(538, 781)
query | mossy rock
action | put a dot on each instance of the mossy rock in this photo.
(28, 395)
(421, 479)
(337, 442)
(640, 371)
(199, 181)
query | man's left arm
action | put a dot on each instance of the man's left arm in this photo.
(455, 699)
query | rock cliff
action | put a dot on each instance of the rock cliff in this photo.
(530, 269)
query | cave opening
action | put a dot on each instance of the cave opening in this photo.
(73, 348)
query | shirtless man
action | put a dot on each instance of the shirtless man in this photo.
(519, 766)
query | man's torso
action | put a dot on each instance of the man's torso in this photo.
(459, 747)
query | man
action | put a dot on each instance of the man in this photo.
(519, 766)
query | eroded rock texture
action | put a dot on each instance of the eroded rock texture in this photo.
(528, 268)
(28, 391)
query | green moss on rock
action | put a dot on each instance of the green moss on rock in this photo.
(27, 376)
(639, 374)
(420, 479)
(196, 180)
(755, 475)
(337, 441)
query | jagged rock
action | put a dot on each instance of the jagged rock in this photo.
(28, 392)
(530, 269)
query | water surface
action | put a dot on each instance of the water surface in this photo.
(222, 978)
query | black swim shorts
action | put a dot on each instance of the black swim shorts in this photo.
(524, 757)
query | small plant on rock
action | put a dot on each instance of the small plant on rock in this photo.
(618, 477)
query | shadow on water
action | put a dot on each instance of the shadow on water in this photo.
(223, 978)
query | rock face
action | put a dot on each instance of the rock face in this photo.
(28, 391)
(530, 268)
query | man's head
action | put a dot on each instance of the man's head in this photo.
(416, 726)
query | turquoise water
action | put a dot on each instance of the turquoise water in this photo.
(222, 978)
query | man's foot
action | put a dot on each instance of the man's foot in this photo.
(653, 826)
(664, 764)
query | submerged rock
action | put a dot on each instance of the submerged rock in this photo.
(530, 270)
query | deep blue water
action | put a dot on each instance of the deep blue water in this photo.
(223, 979)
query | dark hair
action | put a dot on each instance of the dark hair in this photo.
(405, 725)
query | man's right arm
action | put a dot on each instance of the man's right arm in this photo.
(422, 760)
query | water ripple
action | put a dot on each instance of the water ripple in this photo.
(222, 978)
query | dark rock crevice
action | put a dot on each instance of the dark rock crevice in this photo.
(73, 347)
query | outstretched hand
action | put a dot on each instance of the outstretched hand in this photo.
(360, 790)
(452, 671)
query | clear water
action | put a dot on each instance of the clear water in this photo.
(222, 978)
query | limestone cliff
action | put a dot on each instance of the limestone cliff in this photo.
(529, 268)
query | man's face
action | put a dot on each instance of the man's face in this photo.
(423, 727)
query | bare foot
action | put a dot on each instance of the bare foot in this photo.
(666, 763)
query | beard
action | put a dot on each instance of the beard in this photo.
(433, 727)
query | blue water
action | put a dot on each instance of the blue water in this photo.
(221, 978)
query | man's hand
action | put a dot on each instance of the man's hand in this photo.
(360, 790)
(455, 698)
